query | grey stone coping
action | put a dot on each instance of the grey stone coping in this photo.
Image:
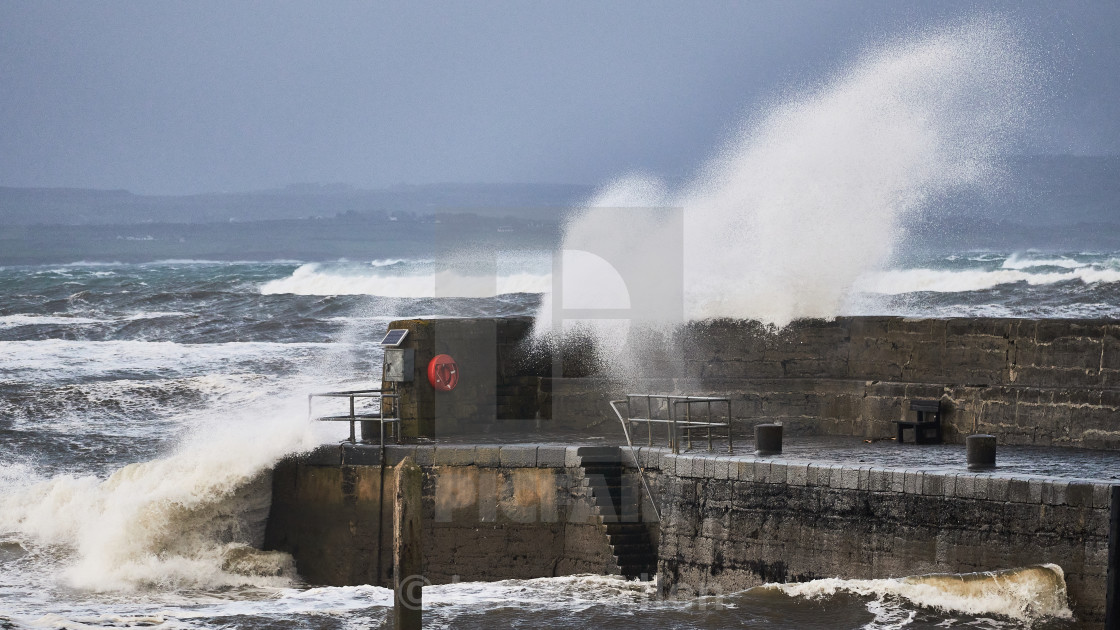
(490, 455)
(975, 485)
(985, 485)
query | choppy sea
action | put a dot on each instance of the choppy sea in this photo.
(141, 406)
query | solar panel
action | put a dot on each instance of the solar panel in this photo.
(394, 337)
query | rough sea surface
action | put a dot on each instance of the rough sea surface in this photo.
(142, 405)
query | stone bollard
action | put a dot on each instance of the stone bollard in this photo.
(768, 439)
(980, 451)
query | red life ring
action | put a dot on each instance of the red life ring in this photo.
(443, 373)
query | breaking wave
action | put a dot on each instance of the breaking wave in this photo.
(192, 519)
(313, 279)
(1025, 594)
(900, 281)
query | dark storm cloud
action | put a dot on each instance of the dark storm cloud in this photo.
(210, 96)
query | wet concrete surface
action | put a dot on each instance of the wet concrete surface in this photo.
(1044, 461)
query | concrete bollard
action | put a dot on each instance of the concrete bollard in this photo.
(980, 451)
(408, 555)
(768, 439)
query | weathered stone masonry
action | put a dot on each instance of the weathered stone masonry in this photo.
(728, 522)
(489, 512)
(1044, 382)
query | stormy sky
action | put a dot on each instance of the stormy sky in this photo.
(210, 96)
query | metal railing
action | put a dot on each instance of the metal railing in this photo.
(667, 409)
(359, 415)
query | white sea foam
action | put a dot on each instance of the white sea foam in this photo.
(313, 279)
(70, 360)
(390, 262)
(1019, 261)
(900, 281)
(812, 195)
(27, 319)
(1023, 594)
(17, 320)
(69, 409)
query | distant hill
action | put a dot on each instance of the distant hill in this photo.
(1042, 202)
(69, 206)
(1034, 190)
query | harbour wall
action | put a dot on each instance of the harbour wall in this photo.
(727, 522)
(1026, 381)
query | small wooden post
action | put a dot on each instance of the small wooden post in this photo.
(407, 554)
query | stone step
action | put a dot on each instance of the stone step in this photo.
(641, 549)
(629, 539)
(612, 519)
(636, 559)
(590, 454)
(612, 481)
(625, 528)
(608, 504)
(602, 470)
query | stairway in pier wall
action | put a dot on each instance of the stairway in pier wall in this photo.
(618, 507)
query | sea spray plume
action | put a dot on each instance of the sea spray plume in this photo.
(813, 196)
(631, 224)
(799, 204)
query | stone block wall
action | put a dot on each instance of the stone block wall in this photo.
(730, 523)
(489, 512)
(1044, 382)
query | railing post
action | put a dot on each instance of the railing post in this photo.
(353, 437)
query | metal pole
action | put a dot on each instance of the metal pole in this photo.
(641, 468)
(1112, 582)
(730, 448)
(688, 423)
(353, 436)
(408, 552)
(709, 426)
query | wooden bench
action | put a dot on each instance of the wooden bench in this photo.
(927, 425)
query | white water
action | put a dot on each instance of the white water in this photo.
(812, 195)
(898, 281)
(63, 359)
(184, 520)
(1023, 594)
(313, 279)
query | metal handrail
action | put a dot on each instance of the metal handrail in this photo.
(669, 403)
(379, 395)
(637, 460)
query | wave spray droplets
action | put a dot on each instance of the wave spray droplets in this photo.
(799, 205)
